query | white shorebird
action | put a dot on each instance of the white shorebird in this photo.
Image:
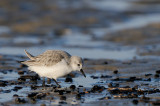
(54, 64)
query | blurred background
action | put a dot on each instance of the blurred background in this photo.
(112, 29)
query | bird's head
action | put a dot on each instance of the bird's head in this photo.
(77, 64)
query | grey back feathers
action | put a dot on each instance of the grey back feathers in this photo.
(48, 58)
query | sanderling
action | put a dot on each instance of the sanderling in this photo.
(54, 64)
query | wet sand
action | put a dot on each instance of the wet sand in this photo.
(120, 47)
(107, 82)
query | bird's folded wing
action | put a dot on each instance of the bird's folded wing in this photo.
(45, 59)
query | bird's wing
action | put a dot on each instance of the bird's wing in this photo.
(48, 58)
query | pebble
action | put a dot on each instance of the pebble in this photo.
(3, 83)
(113, 85)
(62, 102)
(4, 72)
(20, 72)
(115, 72)
(33, 87)
(15, 95)
(145, 98)
(158, 71)
(32, 95)
(21, 79)
(80, 86)
(63, 98)
(94, 77)
(43, 104)
(61, 92)
(148, 75)
(6, 91)
(68, 79)
(68, 91)
(156, 103)
(103, 98)
(78, 96)
(156, 75)
(41, 95)
(105, 62)
(31, 77)
(97, 88)
(32, 100)
(18, 87)
(105, 76)
(73, 87)
(19, 100)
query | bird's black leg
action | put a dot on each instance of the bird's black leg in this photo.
(56, 83)
(43, 84)
(48, 81)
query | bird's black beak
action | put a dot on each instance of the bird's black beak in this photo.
(83, 72)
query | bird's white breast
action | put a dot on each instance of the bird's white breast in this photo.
(58, 70)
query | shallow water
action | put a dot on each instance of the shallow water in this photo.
(83, 52)
(86, 41)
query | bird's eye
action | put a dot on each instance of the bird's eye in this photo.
(78, 64)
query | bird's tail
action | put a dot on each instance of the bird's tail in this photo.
(29, 55)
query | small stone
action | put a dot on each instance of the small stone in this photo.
(15, 95)
(19, 100)
(73, 87)
(80, 86)
(105, 76)
(33, 101)
(132, 78)
(156, 75)
(156, 103)
(61, 92)
(33, 87)
(20, 72)
(6, 91)
(40, 95)
(63, 98)
(110, 85)
(158, 71)
(135, 101)
(4, 72)
(78, 96)
(21, 79)
(115, 72)
(68, 79)
(108, 97)
(148, 75)
(31, 95)
(85, 59)
(18, 87)
(97, 88)
(3, 83)
(145, 98)
(62, 102)
(94, 77)
(113, 85)
(135, 87)
(68, 91)
(105, 62)
(43, 104)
